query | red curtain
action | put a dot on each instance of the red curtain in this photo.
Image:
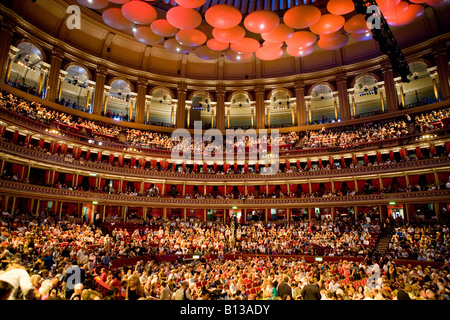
(195, 167)
(250, 189)
(41, 143)
(401, 181)
(414, 179)
(288, 165)
(201, 189)
(137, 186)
(443, 176)
(379, 159)
(366, 159)
(309, 164)
(246, 167)
(402, 153)
(418, 153)
(15, 136)
(342, 162)
(376, 183)
(305, 187)
(355, 160)
(69, 179)
(257, 167)
(47, 176)
(351, 185)
(142, 162)
(167, 188)
(337, 185)
(235, 167)
(430, 178)
(88, 153)
(116, 185)
(283, 188)
(188, 189)
(215, 167)
(292, 188)
(99, 156)
(361, 184)
(180, 189)
(262, 188)
(320, 163)
(184, 166)
(391, 155)
(271, 189)
(315, 187)
(74, 151)
(331, 162)
(447, 146)
(432, 149)
(111, 158)
(133, 162)
(298, 164)
(64, 148)
(153, 163)
(205, 167)
(327, 186)
(241, 189)
(92, 182)
(120, 160)
(387, 181)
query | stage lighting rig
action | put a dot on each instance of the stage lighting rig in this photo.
(383, 35)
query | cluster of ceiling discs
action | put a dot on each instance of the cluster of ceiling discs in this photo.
(297, 32)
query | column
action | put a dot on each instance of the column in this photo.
(204, 215)
(399, 85)
(188, 121)
(38, 205)
(105, 103)
(292, 116)
(184, 214)
(381, 93)
(252, 117)
(11, 56)
(6, 35)
(164, 213)
(268, 115)
(172, 116)
(436, 210)
(308, 106)
(220, 108)
(344, 106)
(148, 100)
(336, 115)
(104, 213)
(90, 89)
(131, 104)
(60, 209)
(62, 76)
(433, 76)
(212, 117)
(55, 74)
(140, 102)
(300, 102)
(100, 81)
(440, 57)
(389, 85)
(259, 107)
(42, 77)
(228, 116)
(181, 105)
(352, 96)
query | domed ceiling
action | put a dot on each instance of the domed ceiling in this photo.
(224, 39)
(241, 29)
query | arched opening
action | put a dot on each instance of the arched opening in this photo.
(200, 110)
(75, 89)
(161, 110)
(366, 97)
(419, 90)
(280, 112)
(26, 69)
(239, 111)
(119, 100)
(322, 106)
